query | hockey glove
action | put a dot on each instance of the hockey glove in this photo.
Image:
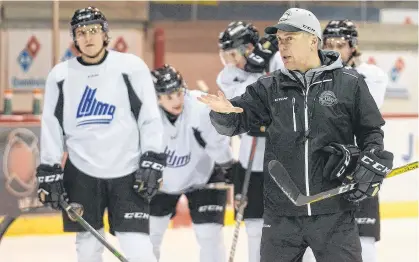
(341, 162)
(372, 168)
(149, 177)
(50, 185)
(223, 173)
(265, 49)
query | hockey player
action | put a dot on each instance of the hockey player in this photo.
(311, 104)
(246, 58)
(342, 36)
(102, 107)
(197, 155)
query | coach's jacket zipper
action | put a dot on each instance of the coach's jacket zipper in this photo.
(306, 147)
(306, 129)
(293, 114)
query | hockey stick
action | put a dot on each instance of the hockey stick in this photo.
(242, 203)
(9, 219)
(284, 181)
(5, 224)
(202, 86)
(75, 212)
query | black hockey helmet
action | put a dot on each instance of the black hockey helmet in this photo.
(88, 16)
(238, 33)
(167, 79)
(342, 28)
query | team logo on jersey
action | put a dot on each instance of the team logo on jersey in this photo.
(328, 98)
(91, 111)
(174, 160)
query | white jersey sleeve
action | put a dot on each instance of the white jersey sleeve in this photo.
(52, 136)
(217, 146)
(149, 121)
(376, 80)
(233, 81)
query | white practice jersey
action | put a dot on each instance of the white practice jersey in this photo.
(376, 80)
(193, 147)
(233, 82)
(106, 114)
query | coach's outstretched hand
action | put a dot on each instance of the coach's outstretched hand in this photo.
(220, 103)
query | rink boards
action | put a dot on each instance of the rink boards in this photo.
(398, 197)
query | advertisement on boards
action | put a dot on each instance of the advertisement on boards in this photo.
(19, 155)
(30, 53)
(401, 68)
(29, 58)
(401, 138)
(399, 16)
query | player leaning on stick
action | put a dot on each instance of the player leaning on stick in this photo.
(342, 36)
(307, 106)
(245, 59)
(102, 105)
(197, 155)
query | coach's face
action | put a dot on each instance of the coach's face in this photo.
(90, 39)
(296, 48)
(173, 102)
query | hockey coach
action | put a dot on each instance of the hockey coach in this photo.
(313, 110)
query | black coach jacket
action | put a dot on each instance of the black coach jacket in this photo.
(303, 113)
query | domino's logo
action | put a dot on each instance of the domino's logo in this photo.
(28, 54)
(70, 52)
(91, 111)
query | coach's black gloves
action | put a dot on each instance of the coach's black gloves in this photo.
(341, 162)
(149, 177)
(50, 185)
(372, 168)
(265, 49)
(223, 173)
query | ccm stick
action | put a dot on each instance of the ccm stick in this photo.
(75, 212)
(5, 224)
(285, 183)
(243, 202)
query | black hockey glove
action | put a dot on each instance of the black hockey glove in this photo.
(149, 177)
(50, 185)
(372, 168)
(254, 63)
(265, 49)
(341, 162)
(223, 173)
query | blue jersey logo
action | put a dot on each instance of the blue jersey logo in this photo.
(92, 111)
(174, 160)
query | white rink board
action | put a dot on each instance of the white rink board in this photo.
(401, 138)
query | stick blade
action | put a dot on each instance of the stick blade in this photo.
(283, 180)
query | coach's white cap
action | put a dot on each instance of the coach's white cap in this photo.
(295, 20)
